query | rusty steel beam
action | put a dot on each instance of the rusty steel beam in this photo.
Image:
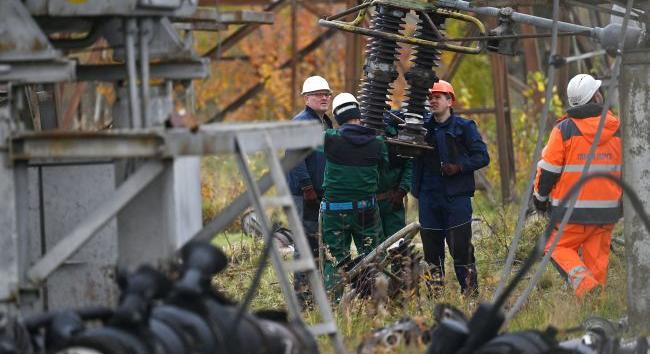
(294, 53)
(253, 91)
(353, 57)
(564, 50)
(242, 32)
(504, 127)
(531, 51)
(313, 9)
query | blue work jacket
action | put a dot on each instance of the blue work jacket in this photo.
(456, 141)
(311, 171)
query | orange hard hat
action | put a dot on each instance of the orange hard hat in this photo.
(444, 86)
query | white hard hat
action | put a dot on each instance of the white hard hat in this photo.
(343, 98)
(581, 89)
(315, 83)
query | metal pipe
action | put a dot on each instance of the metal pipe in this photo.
(145, 35)
(584, 56)
(130, 32)
(516, 17)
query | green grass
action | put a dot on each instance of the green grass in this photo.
(550, 304)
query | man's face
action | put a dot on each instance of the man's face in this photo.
(440, 102)
(319, 101)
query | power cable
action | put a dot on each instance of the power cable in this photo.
(590, 156)
(525, 198)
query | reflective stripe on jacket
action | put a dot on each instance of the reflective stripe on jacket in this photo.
(564, 156)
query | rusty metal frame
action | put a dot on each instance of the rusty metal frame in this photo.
(151, 143)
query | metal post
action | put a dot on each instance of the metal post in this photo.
(130, 33)
(504, 129)
(635, 110)
(531, 52)
(353, 58)
(294, 54)
(145, 35)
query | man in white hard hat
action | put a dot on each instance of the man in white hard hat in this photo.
(582, 253)
(306, 179)
(349, 211)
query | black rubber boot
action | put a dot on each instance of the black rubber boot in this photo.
(459, 240)
(468, 279)
(433, 244)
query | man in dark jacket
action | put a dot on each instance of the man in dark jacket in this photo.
(443, 180)
(306, 179)
(349, 210)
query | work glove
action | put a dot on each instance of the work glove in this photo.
(540, 205)
(309, 195)
(450, 169)
(397, 199)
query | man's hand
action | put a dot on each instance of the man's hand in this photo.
(450, 169)
(540, 203)
(309, 195)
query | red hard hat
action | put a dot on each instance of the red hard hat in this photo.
(444, 86)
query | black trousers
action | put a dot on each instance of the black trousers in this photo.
(459, 240)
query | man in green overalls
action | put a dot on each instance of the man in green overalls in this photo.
(354, 155)
(394, 184)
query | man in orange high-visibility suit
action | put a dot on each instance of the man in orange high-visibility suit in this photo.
(598, 206)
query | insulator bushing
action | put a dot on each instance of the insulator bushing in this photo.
(379, 68)
(420, 78)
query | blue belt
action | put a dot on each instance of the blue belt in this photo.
(339, 206)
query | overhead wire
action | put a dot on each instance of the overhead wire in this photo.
(615, 72)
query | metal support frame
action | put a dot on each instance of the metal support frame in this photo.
(353, 58)
(305, 263)
(504, 127)
(86, 229)
(145, 34)
(130, 33)
(208, 140)
(183, 70)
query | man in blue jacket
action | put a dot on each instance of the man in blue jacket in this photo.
(443, 182)
(306, 179)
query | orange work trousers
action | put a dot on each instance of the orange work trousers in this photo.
(592, 241)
